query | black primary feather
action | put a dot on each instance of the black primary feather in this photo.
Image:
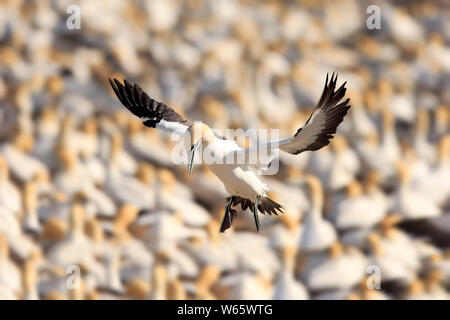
(142, 106)
(334, 113)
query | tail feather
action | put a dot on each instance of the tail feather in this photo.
(265, 205)
(270, 206)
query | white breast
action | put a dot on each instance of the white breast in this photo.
(238, 179)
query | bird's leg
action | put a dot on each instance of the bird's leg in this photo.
(255, 213)
(227, 219)
(227, 210)
(229, 213)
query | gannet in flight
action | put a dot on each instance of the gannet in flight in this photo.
(241, 182)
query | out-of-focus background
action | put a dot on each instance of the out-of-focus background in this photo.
(92, 207)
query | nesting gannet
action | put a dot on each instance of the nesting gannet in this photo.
(31, 219)
(389, 148)
(436, 184)
(30, 277)
(159, 283)
(240, 181)
(122, 187)
(441, 123)
(254, 253)
(20, 244)
(361, 122)
(394, 254)
(164, 230)
(169, 197)
(9, 272)
(345, 165)
(136, 260)
(207, 278)
(10, 197)
(212, 250)
(287, 287)
(318, 233)
(347, 213)
(21, 163)
(410, 203)
(244, 285)
(340, 268)
(425, 150)
(76, 247)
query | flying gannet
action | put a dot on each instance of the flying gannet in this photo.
(239, 178)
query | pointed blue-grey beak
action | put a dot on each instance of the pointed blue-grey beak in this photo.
(191, 156)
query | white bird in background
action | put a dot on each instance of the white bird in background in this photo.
(239, 179)
(22, 165)
(424, 148)
(287, 287)
(358, 210)
(31, 219)
(318, 233)
(410, 203)
(10, 197)
(9, 272)
(345, 164)
(340, 268)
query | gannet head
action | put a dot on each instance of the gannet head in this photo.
(315, 187)
(198, 133)
(403, 172)
(444, 148)
(4, 170)
(4, 249)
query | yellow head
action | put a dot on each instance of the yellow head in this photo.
(315, 187)
(197, 134)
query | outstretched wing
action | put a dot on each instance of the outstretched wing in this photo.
(315, 134)
(322, 123)
(154, 114)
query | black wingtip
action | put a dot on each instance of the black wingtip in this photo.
(332, 80)
(142, 106)
(127, 84)
(334, 110)
(118, 84)
(111, 82)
